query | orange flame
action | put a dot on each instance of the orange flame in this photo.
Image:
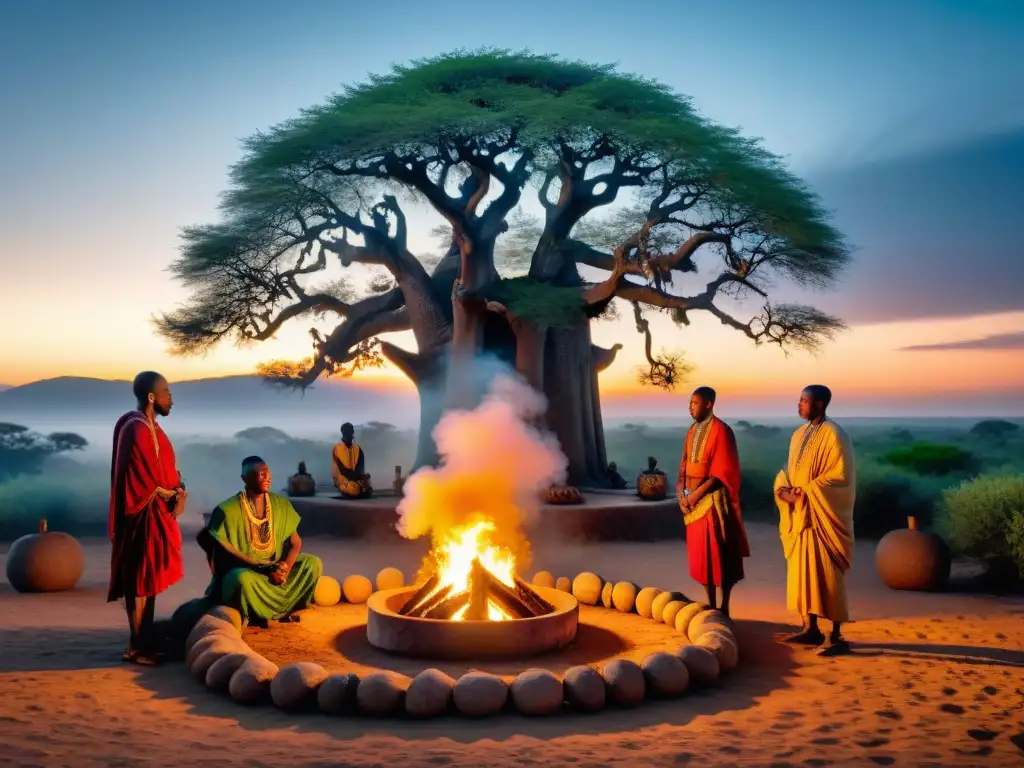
(453, 560)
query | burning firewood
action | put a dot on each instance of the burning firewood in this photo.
(449, 606)
(420, 611)
(478, 592)
(419, 596)
(506, 598)
(537, 604)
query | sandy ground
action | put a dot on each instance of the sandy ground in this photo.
(936, 680)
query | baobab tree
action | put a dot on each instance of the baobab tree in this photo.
(471, 135)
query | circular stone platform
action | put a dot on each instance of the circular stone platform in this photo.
(604, 515)
(443, 639)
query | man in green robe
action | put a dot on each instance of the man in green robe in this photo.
(256, 553)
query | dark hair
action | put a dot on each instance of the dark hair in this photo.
(347, 427)
(819, 393)
(144, 384)
(706, 393)
(249, 461)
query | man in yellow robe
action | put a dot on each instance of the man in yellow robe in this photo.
(815, 495)
(348, 466)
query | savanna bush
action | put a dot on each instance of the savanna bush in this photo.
(75, 502)
(930, 458)
(984, 518)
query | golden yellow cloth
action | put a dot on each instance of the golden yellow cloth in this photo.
(348, 456)
(817, 531)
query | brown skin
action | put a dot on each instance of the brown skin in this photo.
(701, 409)
(141, 610)
(813, 412)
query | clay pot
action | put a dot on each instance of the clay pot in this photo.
(48, 561)
(913, 559)
(652, 486)
(301, 485)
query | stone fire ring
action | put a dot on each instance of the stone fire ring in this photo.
(217, 655)
(460, 640)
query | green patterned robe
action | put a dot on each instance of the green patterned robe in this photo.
(248, 590)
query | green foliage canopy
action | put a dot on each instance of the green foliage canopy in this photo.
(468, 133)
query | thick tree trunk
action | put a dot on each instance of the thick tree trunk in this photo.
(427, 372)
(574, 403)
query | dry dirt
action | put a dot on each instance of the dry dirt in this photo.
(935, 680)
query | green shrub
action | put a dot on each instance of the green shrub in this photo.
(930, 458)
(887, 496)
(984, 518)
(75, 502)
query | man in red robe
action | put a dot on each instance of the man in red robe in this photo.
(709, 496)
(146, 498)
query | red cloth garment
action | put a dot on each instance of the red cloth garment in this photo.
(712, 541)
(146, 555)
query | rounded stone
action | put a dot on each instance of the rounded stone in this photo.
(218, 676)
(563, 584)
(380, 693)
(251, 681)
(586, 588)
(625, 681)
(670, 611)
(206, 626)
(480, 694)
(701, 663)
(725, 647)
(328, 592)
(212, 640)
(185, 617)
(705, 621)
(665, 675)
(544, 579)
(48, 561)
(685, 616)
(389, 578)
(606, 594)
(228, 614)
(663, 599)
(624, 596)
(216, 650)
(295, 685)
(337, 694)
(584, 688)
(357, 589)
(645, 601)
(429, 694)
(537, 692)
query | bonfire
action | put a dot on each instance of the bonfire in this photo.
(471, 579)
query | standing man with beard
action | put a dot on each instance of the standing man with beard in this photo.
(709, 496)
(147, 497)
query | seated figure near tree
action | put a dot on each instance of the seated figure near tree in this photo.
(256, 553)
(348, 465)
(301, 483)
(815, 493)
(709, 496)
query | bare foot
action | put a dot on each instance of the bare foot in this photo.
(837, 648)
(259, 623)
(807, 637)
(140, 657)
(291, 618)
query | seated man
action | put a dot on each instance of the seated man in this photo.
(301, 483)
(348, 464)
(256, 554)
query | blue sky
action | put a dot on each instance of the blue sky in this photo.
(121, 118)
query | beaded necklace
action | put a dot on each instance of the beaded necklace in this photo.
(809, 431)
(700, 436)
(260, 530)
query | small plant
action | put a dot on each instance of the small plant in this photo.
(984, 518)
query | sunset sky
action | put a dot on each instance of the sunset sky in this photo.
(120, 121)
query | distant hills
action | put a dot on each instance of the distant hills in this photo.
(230, 394)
